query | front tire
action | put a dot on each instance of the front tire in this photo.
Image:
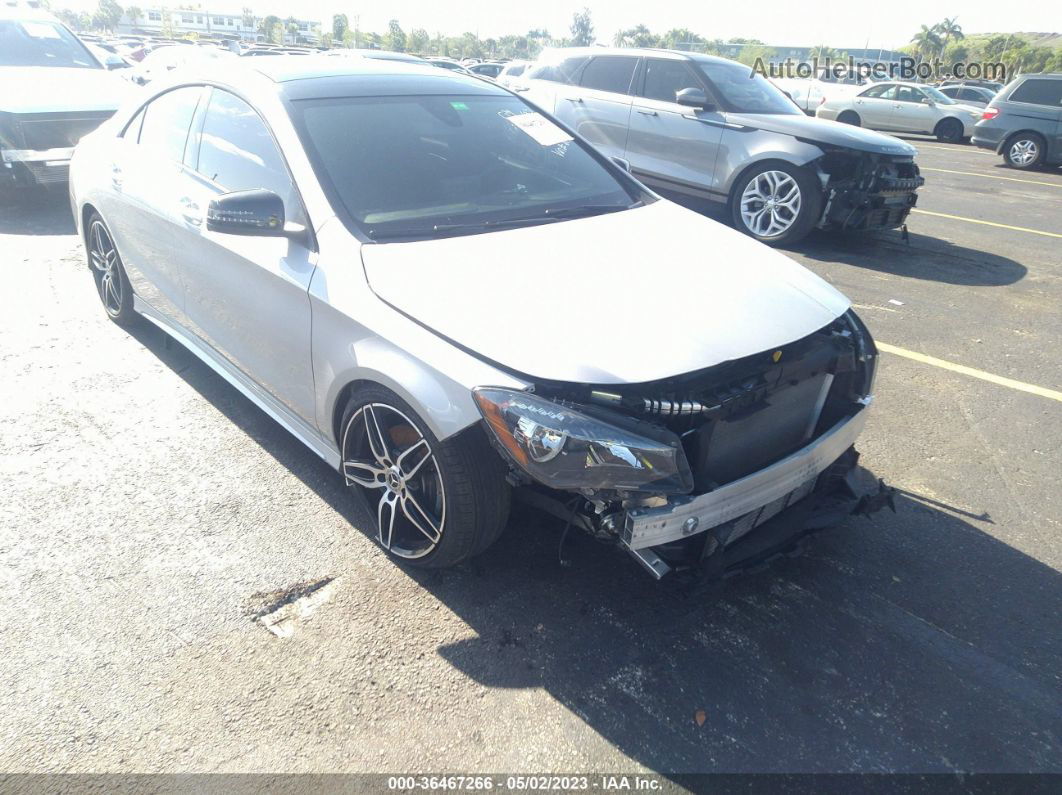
(776, 202)
(112, 285)
(436, 503)
(949, 131)
(1024, 151)
(850, 117)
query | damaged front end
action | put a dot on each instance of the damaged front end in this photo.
(865, 190)
(681, 471)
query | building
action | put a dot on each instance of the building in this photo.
(214, 23)
(803, 54)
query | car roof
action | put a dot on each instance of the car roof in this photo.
(646, 52)
(321, 76)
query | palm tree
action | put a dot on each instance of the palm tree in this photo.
(950, 29)
(926, 41)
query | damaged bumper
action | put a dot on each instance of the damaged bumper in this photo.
(876, 194)
(747, 522)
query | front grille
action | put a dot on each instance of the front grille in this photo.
(48, 175)
(57, 131)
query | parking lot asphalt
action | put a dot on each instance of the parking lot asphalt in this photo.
(148, 513)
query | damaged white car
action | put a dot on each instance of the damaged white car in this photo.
(453, 300)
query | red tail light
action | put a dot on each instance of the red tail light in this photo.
(989, 113)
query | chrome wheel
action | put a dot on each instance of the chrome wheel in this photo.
(103, 257)
(1024, 152)
(770, 203)
(383, 451)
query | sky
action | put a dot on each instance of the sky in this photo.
(776, 22)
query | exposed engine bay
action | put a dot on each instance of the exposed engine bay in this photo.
(865, 190)
(752, 438)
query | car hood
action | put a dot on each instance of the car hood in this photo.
(50, 89)
(824, 131)
(625, 297)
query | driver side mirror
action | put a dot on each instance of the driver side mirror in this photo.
(693, 98)
(247, 212)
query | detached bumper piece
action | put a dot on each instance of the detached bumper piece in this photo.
(35, 148)
(841, 490)
(872, 196)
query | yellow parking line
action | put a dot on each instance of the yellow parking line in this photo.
(987, 223)
(975, 150)
(992, 176)
(972, 372)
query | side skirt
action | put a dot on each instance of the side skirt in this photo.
(267, 403)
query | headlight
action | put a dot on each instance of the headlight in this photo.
(866, 350)
(565, 448)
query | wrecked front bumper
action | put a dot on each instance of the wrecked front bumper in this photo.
(740, 523)
(880, 196)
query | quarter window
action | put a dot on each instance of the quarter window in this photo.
(1039, 92)
(237, 151)
(558, 72)
(609, 73)
(664, 79)
(164, 130)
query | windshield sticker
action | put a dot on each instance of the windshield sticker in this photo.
(540, 128)
(459, 106)
(40, 30)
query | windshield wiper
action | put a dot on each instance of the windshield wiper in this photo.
(547, 216)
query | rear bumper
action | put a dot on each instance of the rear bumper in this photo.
(986, 136)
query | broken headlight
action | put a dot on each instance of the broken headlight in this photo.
(565, 448)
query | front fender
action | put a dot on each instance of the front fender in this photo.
(740, 149)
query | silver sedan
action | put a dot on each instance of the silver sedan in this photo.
(903, 107)
(452, 299)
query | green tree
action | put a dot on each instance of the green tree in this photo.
(926, 42)
(248, 18)
(949, 29)
(419, 41)
(582, 29)
(396, 37)
(340, 25)
(638, 36)
(107, 15)
(267, 25)
(134, 15)
(751, 53)
(682, 39)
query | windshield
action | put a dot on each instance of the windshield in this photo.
(741, 90)
(41, 43)
(429, 166)
(937, 96)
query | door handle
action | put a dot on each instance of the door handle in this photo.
(574, 99)
(116, 175)
(520, 89)
(190, 212)
(648, 113)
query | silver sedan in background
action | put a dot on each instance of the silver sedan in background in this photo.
(903, 107)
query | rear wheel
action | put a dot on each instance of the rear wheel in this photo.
(116, 294)
(436, 503)
(776, 202)
(850, 117)
(949, 130)
(1024, 150)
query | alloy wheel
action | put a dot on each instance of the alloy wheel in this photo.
(383, 451)
(770, 203)
(1024, 152)
(103, 257)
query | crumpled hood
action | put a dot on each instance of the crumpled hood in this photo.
(824, 131)
(50, 89)
(625, 297)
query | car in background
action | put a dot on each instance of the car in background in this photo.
(53, 90)
(809, 93)
(486, 69)
(712, 431)
(110, 59)
(161, 62)
(991, 85)
(1024, 122)
(974, 96)
(512, 73)
(903, 107)
(446, 63)
(714, 129)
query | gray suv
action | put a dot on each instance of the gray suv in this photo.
(1024, 122)
(711, 128)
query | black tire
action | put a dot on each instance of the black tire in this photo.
(949, 130)
(112, 284)
(1018, 147)
(460, 483)
(850, 117)
(810, 207)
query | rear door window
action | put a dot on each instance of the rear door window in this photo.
(164, 131)
(609, 73)
(1039, 92)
